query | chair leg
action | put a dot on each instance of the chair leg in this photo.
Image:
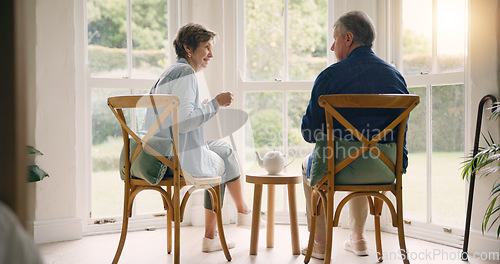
(378, 236)
(312, 232)
(401, 231)
(220, 225)
(169, 223)
(177, 224)
(329, 227)
(123, 235)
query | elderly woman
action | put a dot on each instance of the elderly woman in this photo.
(193, 46)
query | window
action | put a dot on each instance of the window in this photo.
(285, 39)
(128, 48)
(431, 56)
(124, 44)
(433, 37)
(285, 48)
(433, 61)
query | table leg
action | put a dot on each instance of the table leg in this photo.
(254, 236)
(270, 215)
(294, 226)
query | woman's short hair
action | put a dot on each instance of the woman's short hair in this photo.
(359, 24)
(191, 35)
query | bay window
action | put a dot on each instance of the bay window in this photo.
(281, 46)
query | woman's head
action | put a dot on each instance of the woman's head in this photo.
(190, 37)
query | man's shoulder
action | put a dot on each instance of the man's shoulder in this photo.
(334, 69)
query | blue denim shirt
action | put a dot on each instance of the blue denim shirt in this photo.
(362, 72)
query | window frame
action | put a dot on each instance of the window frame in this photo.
(140, 221)
(389, 16)
(284, 86)
(451, 236)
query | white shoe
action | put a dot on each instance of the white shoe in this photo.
(357, 247)
(245, 221)
(210, 245)
(318, 251)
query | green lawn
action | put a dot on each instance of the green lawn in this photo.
(447, 191)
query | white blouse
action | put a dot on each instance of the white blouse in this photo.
(180, 80)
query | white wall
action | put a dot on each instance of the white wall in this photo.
(55, 130)
(59, 100)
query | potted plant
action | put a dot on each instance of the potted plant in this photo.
(487, 161)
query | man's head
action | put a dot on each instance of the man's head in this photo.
(351, 30)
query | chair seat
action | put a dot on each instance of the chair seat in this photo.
(354, 188)
(169, 181)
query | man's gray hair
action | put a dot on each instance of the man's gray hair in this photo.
(359, 24)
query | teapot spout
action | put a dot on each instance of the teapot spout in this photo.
(259, 159)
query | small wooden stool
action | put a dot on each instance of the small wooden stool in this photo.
(273, 179)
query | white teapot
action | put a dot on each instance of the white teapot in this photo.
(274, 161)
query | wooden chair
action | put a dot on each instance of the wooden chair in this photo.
(376, 194)
(171, 201)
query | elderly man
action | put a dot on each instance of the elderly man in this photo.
(358, 71)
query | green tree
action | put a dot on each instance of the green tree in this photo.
(265, 39)
(264, 33)
(107, 37)
(149, 24)
(416, 134)
(265, 112)
(448, 117)
(107, 23)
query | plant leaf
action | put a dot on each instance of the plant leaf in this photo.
(35, 173)
(33, 150)
(495, 113)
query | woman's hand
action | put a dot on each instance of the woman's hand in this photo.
(224, 98)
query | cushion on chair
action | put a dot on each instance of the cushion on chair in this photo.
(367, 169)
(146, 166)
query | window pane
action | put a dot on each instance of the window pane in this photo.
(448, 126)
(266, 118)
(264, 40)
(417, 37)
(107, 38)
(307, 39)
(451, 27)
(107, 142)
(415, 180)
(146, 201)
(149, 38)
(297, 103)
(266, 134)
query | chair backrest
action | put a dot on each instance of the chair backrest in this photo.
(169, 104)
(333, 103)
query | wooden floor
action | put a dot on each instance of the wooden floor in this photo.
(149, 247)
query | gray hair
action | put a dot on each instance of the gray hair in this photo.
(359, 24)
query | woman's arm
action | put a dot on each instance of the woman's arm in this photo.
(191, 113)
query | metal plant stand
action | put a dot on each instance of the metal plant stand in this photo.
(473, 173)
